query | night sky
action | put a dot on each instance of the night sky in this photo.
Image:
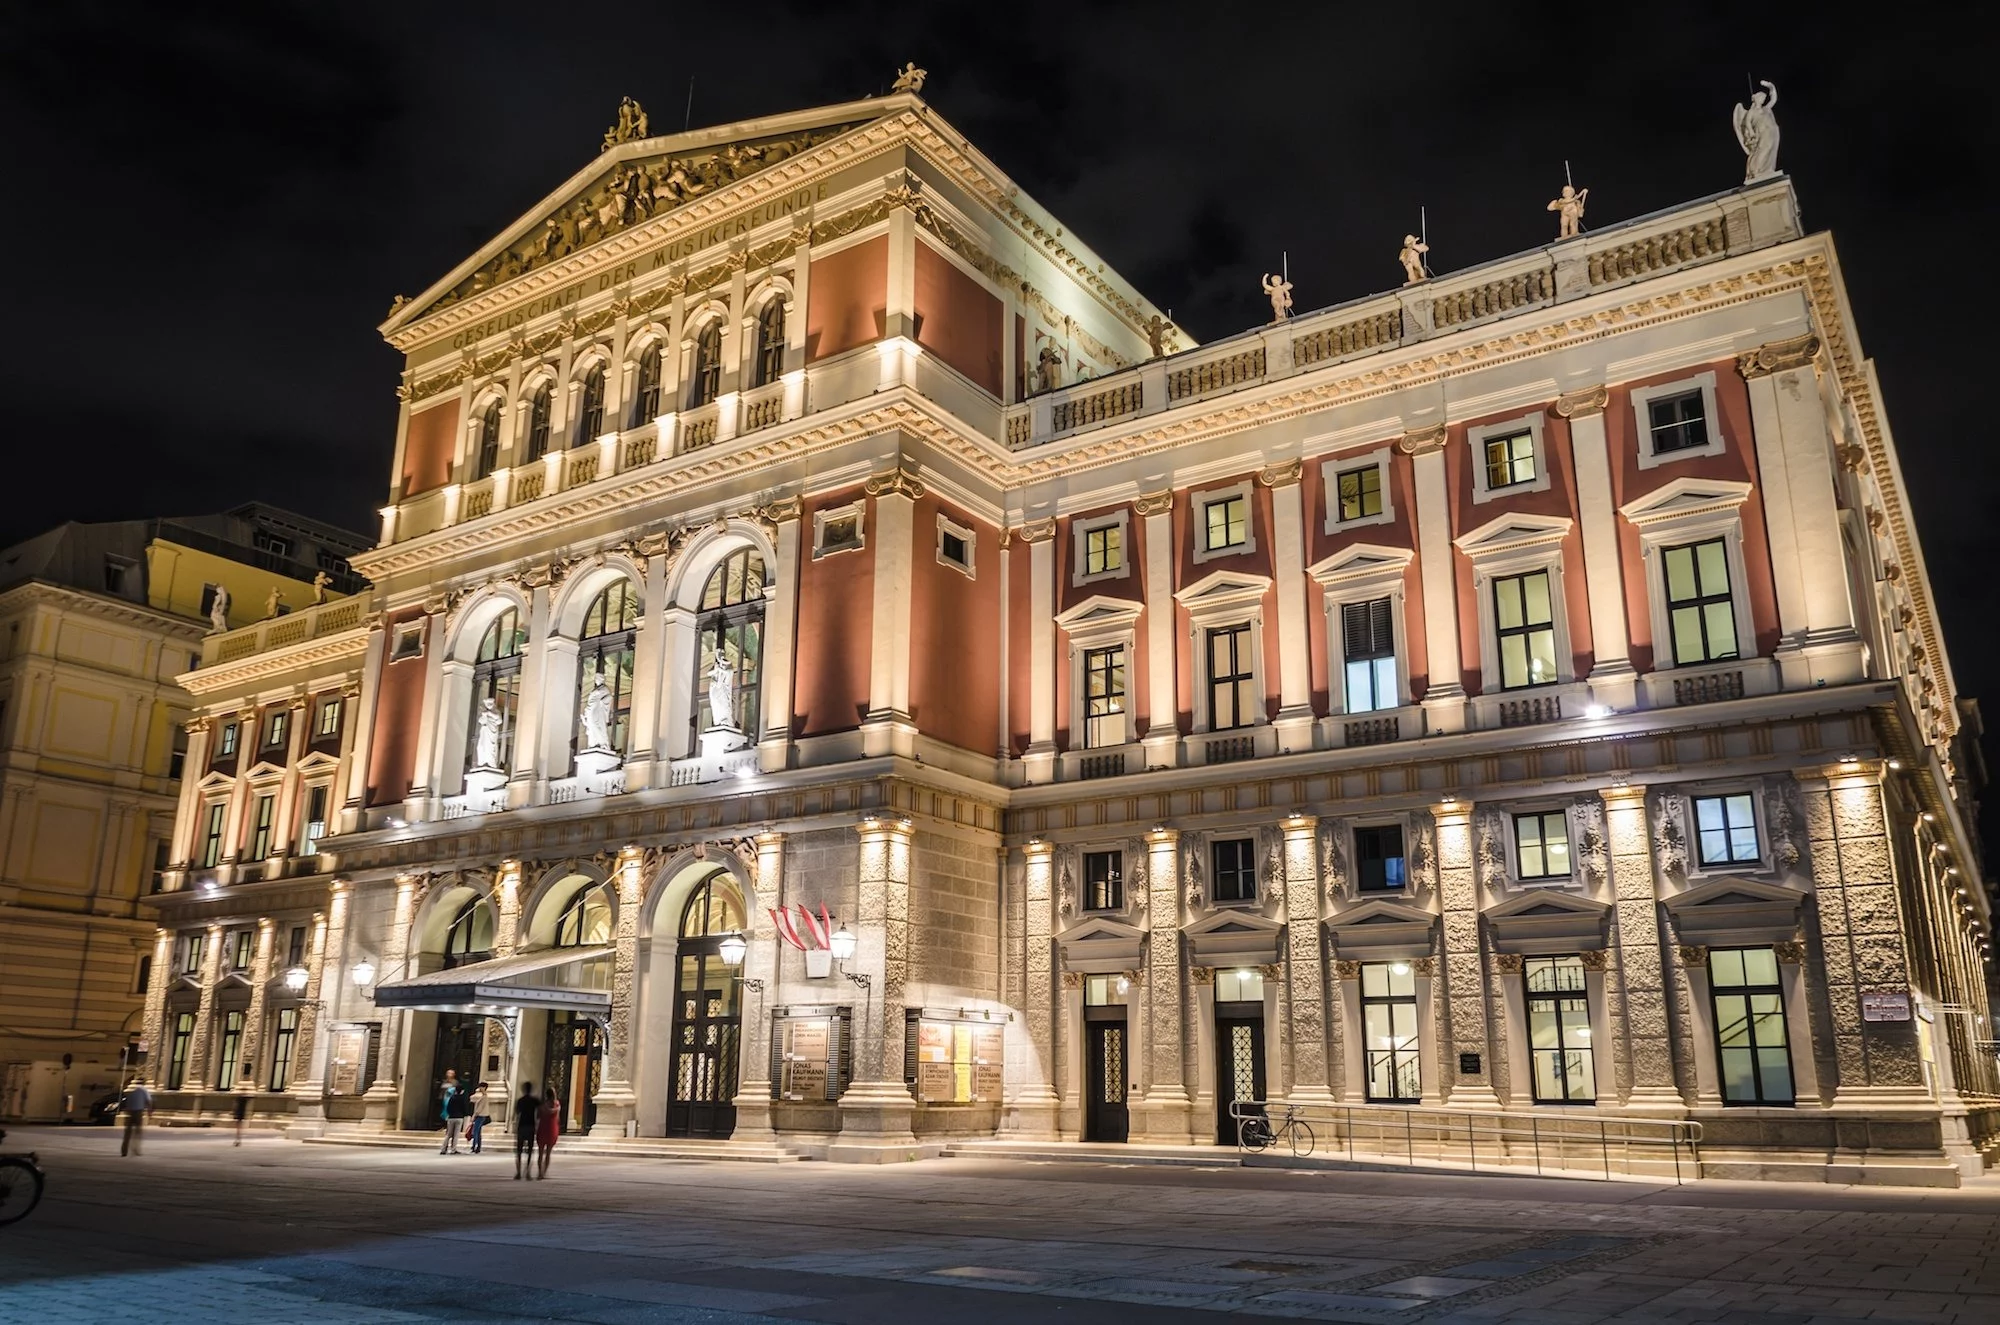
(207, 216)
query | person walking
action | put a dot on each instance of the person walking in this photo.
(242, 1115)
(446, 1093)
(527, 1116)
(479, 1115)
(133, 1108)
(548, 1126)
(457, 1118)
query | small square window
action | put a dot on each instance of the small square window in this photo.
(837, 530)
(266, 541)
(955, 544)
(1360, 493)
(409, 642)
(1678, 422)
(1234, 871)
(1541, 844)
(1226, 522)
(1103, 880)
(1726, 830)
(1378, 858)
(1510, 460)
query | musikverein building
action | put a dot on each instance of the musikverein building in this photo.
(844, 673)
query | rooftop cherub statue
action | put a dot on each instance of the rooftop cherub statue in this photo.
(910, 78)
(1757, 132)
(1412, 258)
(1156, 335)
(1570, 205)
(274, 602)
(1279, 290)
(320, 581)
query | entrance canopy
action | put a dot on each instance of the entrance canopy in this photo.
(567, 979)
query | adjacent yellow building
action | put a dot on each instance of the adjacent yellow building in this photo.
(96, 621)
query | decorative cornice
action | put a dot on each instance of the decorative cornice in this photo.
(1778, 356)
(899, 482)
(1154, 503)
(1282, 474)
(1583, 404)
(1422, 441)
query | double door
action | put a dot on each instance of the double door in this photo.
(707, 1034)
(1106, 1116)
(576, 1069)
(461, 1048)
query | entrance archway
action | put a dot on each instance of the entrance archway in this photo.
(706, 1043)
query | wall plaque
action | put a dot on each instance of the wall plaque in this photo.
(1883, 1005)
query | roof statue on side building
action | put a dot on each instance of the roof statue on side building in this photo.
(910, 78)
(1279, 290)
(1570, 204)
(1412, 258)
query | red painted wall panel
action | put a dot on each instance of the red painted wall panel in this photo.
(957, 319)
(836, 619)
(955, 635)
(428, 448)
(848, 299)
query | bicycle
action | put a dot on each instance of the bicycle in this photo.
(1256, 1132)
(20, 1184)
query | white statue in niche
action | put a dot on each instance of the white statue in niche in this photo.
(486, 742)
(218, 610)
(1757, 130)
(1279, 291)
(722, 693)
(597, 712)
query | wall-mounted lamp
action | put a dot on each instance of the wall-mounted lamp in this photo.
(363, 973)
(841, 942)
(295, 979)
(731, 949)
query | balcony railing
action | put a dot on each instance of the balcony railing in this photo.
(308, 623)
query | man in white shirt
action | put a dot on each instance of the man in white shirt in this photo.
(136, 1104)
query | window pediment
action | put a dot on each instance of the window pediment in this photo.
(1099, 945)
(1362, 565)
(1381, 930)
(1684, 499)
(1223, 593)
(1099, 615)
(1736, 911)
(1543, 920)
(1517, 532)
(1234, 938)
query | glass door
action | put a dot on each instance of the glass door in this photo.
(708, 1024)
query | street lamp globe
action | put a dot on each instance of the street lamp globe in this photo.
(295, 979)
(732, 949)
(843, 943)
(364, 974)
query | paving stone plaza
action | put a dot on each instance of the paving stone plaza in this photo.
(279, 1231)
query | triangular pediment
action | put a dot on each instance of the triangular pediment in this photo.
(1229, 922)
(637, 179)
(1362, 562)
(1546, 920)
(318, 761)
(1546, 902)
(264, 768)
(216, 781)
(1381, 912)
(1099, 945)
(1734, 891)
(1736, 911)
(1223, 590)
(1097, 928)
(1381, 930)
(1100, 612)
(1513, 532)
(1685, 497)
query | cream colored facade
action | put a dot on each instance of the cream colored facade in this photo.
(1046, 692)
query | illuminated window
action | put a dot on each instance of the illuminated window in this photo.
(1231, 701)
(1226, 523)
(1389, 1030)
(1368, 641)
(1510, 460)
(1541, 844)
(1700, 612)
(1559, 1030)
(1104, 697)
(605, 651)
(1726, 830)
(1103, 880)
(496, 677)
(486, 444)
(1360, 493)
(1753, 1049)
(1524, 621)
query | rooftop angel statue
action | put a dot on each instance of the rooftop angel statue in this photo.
(1280, 291)
(1757, 130)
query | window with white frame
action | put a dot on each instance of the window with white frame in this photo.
(646, 393)
(1232, 700)
(1368, 651)
(326, 721)
(1101, 548)
(1233, 869)
(409, 641)
(1359, 492)
(1223, 524)
(541, 410)
(496, 693)
(1103, 880)
(313, 825)
(1389, 1032)
(1508, 458)
(1725, 830)
(262, 821)
(1379, 863)
(1104, 697)
(705, 376)
(486, 439)
(1559, 1030)
(276, 726)
(1541, 845)
(1701, 616)
(839, 529)
(955, 545)
(211, 834)
(1677, 420)
(769, 364)
(1524, 630)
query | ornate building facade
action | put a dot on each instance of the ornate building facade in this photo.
(844, 671)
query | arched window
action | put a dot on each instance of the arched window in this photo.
(604, 652)
(489, 440)
(712, 909)
(646, 404)
(470, 938)
(590, 419)
(731, 627)
(770, 363)
(496, 676)
(585, 921)
(705, 383)
(540, 407)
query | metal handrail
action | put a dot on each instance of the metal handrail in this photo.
(1449, 1135)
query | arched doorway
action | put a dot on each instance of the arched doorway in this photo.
(708, 1014)
(460, 1043)
(574, 1055)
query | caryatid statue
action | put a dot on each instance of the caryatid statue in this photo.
(1570, 205)
(597, 712)
(486, 742)
(1279, 291)
(1757, 130)
(722, 693)
(1412, 258)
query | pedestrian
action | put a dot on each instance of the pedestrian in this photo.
(479, 1115)
(242, 1115)
(134, 1107)
(527, 1111)
(446, 1093)
(457, 1117)
(548, 1126)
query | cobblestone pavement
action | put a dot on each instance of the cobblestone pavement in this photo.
(277, 1231)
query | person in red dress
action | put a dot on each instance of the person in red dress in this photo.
(548, 1126)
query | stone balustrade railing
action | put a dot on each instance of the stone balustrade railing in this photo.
(308, 623)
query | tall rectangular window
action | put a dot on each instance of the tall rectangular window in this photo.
(1378, 858)
(1360, 493)
(260, 832)
(1559, 1030)
(1524, 624)
(177, 761)
(295, 949)
(327, 723)
(1103, 550)
(1541, 844)
(1389, 1028)
(178, 1054)
(1226, 523)
(1754, 1054)
(1510, 460)
(275, 729)
(1677, 423)
(1233, 869)
(1230, 701)
(226, 743)
(229, 1050)
(1103, 880)
(194, 947)
(1699, 611)
(1726, 830)
(242, 949)
(211, 835)
(315, 821)
(1103, 697)
(1368, 644)
(284, 1039)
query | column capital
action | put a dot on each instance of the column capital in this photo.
(1284, 474)
(1452, 812)
(1623, 796)
(1299, 824)
(1422, 441)
(874, 827)
(1778, 356)
(1160, 837)
(1154, 503)
(1037, 531)
(1038, 849)
(898, 482)
(1582, 404)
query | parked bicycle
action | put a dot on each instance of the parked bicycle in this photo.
(20, 1184)
(1258, 1133)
